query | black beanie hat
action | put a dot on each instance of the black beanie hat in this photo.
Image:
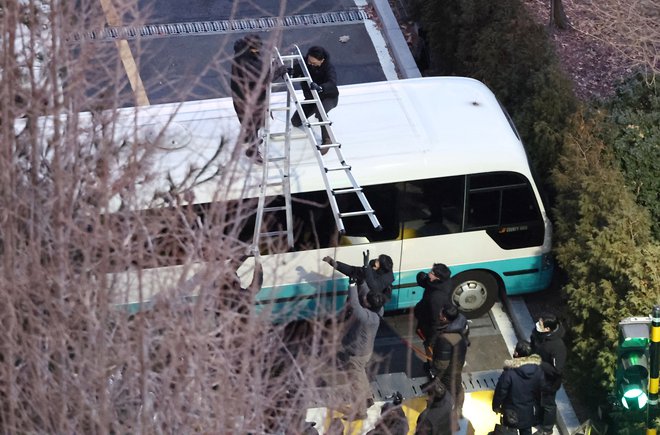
(441, 271)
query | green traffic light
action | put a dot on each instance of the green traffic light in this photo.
(634, 397)
(632, 370)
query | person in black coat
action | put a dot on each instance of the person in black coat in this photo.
(436, 419)
(449, 353)
(377, 273)
(437, 294)
(324, 81)
(547, 341)
(518, 392)
(250, 74)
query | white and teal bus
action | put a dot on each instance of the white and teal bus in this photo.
(441, 164)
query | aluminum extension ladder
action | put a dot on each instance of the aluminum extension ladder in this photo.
(366, 210)
(280, 166)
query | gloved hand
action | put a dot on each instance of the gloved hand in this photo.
(365, 257)
(289, 71)
(280, 71)
(329, 260)
(316, 87)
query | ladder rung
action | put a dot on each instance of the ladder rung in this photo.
(308, 102)
(273, 183)
(299, 79)
(289, 57)
(347, 190)
(275, 159)
(355, 213)
(328, 146)
(314, 124)
(268, 184)
(283, 135)
(338, 168)
(278, 109)
(276, 208)
(273, 233)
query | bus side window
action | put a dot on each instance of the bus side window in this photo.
(519, 205)
(505, 206)
(313, 224)
(484, 209)
(384, 200)
(434, 206)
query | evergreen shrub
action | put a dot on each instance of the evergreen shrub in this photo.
(634, 113)
(603, 242)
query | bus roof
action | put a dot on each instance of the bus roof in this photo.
(389, 131)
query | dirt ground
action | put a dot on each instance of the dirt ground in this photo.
(594, 65)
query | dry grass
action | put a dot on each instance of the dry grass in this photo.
(606, 42)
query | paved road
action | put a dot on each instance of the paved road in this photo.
(397, 365)
(164, 11)
(399, 349)
(196, 66)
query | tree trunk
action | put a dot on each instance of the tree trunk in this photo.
(558, 16)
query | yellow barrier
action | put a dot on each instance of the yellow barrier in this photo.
(476, 409)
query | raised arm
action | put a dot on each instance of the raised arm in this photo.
(348, 270)
(257, 277)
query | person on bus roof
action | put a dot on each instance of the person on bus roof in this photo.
(377, 273)
(250, 75)
(324, 82)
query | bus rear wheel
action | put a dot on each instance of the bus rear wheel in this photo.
(474, 293)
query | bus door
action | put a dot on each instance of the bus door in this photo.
(431, 223)
(361, 235)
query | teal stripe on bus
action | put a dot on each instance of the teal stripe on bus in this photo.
(301, 300)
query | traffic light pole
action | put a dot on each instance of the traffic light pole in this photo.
(654, 373)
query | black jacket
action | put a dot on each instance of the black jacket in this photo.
(436, 418)
(376, 279)
(324, 76)
(449, 351)
(427, 311)
(552, 350)
(246, 75)
(518, 392)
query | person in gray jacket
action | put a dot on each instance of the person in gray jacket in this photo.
(357, 345)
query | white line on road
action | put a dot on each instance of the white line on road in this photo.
(127, 59)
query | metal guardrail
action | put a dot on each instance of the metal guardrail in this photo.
(221, 26)
(479, 381)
